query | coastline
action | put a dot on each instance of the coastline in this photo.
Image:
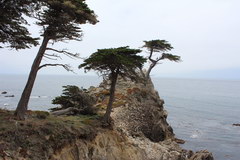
(214, 124)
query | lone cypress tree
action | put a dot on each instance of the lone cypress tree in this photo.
(114, 62)
(59, 20)
(162, 47)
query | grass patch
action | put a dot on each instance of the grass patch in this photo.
(42, 134)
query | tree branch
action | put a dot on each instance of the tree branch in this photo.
(150, 56)
(52, 56)
(65, 66)
(71, 55)
(45, 56)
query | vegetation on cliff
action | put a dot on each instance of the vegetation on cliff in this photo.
(60, 21)
(111, 63)
(162, 47)
(75, 98)
(139, 132)
(42, 135)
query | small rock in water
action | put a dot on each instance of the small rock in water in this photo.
(4, 92)
(236, 124)
(179, 141)
(9, 96)
(6, 104)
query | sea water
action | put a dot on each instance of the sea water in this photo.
(200, 111)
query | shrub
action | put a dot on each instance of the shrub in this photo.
(72, 96)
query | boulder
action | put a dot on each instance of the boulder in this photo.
(202, 155)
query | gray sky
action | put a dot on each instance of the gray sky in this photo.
(205, 33)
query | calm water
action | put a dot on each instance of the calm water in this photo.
(200, 111)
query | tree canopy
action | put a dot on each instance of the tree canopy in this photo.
(161, 47)
(123, 60)
(13, 31)
(60, 21)
(113, 62)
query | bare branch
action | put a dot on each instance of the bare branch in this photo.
(53, 55)
(159, 58)
(65, 66)
(71, 55)
(45, 56)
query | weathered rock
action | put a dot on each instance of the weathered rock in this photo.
(143, 112)
(106, 146)
(179, 141)
(202, 155)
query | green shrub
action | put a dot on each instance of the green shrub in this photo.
(72, 96)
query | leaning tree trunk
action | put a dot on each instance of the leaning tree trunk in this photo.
(153, 64)
(23, 102)
(106, 118)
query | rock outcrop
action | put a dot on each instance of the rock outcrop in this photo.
(140, 131)
(139, 115)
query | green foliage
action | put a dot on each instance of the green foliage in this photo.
(171, 57)
(113, 62)
(161, 46)
(59, 18)
(158, 45)
(72, 96)
(62, 18)
(13, 33)
(122, 60)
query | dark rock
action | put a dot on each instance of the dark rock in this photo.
(236, 124)
(9, 96)
(157, 134)
(179, 141)
(4, 92)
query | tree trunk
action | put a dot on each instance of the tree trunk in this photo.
(67, 111)
(23, 102)
(106, 118)
(150, 69)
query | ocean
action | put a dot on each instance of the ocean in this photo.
(200, 111)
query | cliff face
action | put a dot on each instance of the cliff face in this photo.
(140, 131)
(140, 128)
(143, 113)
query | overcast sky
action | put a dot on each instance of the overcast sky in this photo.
(205, 33)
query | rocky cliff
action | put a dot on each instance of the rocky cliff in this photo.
(139, 132)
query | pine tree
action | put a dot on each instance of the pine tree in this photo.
(114, 62)
(60, 21)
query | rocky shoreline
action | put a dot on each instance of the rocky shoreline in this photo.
(139, 131)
